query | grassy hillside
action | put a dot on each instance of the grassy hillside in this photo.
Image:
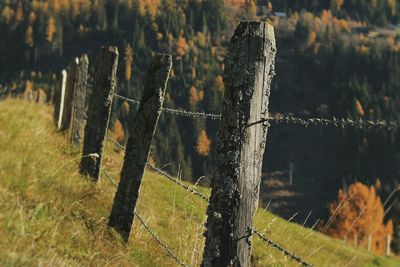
(52, 216)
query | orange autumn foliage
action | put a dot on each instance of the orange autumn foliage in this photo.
(358, 214)
(219, 83)
(203, 144)
(193, 96)
(29, 36)
(182, 46)
(50, 29)
(118, 132)
(128, 62)
(312, 37)
(359, 108)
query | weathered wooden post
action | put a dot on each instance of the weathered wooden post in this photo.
(99, 109)
(369, 242)
(69, 95)
(59, 99)
(388, 243)
(249, 69)
(138, 147)
(79, 101)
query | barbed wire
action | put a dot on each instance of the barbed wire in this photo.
(126, 98)
(159, 241)
(288, 119)
(335, 122)
(185, 113)
(176, 181)
(151, 232)
(115, 142)
(204, 197)
(178, 112)
(278, 247)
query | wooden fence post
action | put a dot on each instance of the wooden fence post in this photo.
(69, 95)
(249, 69)
(79, 101)
(138, 147)
(388, 242)
(99, 109)
(369, 242)
(59, 98)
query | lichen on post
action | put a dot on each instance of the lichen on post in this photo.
(249, 69)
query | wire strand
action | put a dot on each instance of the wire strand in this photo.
(202, 196)
(286, 119)
(151, 232)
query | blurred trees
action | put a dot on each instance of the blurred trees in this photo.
(358, 216)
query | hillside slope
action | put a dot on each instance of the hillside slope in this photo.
(52, 216)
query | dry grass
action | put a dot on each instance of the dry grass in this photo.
(52, 216)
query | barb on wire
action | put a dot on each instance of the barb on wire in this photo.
(176, 181)
(134, 101)
(202, 196)
(264, 238)
(361, 124)
(278, 247)
(112, 181)
(159, 241)
(115, 142)
(185, 113)
(178, 112)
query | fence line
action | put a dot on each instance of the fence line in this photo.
(278, 247)
(162, 243)
(185, 113)
(204, 197)
(287, 119)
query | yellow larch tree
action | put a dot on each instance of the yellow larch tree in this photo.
(19, 13)
(203, 144)
(358, 216)
(50, 29)
(29, 36)
(118, 132)
(128, 59)
(7, 14)
(193, 96)
(182, 46)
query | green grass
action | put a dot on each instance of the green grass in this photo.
(52, 216)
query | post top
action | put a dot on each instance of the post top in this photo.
(112, 49)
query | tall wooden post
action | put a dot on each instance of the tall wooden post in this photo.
(69, 95)
(369, 242)
(79, 101)
(59, 99)
(249, 69)
(99, 109)
(388, 242)
(138, 147)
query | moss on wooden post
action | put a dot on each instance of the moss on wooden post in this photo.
(249, 69)
(99, 110)
(139, 143)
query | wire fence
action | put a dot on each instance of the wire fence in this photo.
(197, 193)
(287, 119)
(276, 119)
(162, 243)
